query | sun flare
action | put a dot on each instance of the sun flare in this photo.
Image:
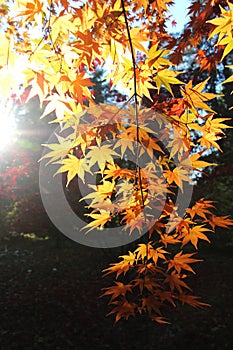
(7, 127)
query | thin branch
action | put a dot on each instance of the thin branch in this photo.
(135, 96)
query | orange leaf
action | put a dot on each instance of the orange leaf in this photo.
(181, 262)
(116, 291)
(192, 301)
(201, 208)
(221, 221)
(194, 234)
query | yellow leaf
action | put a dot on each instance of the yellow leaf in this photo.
(61, 25)
(99, 220)
(195, 97)
(208, 140)
(8, 56)
(118, 268)
(228, 41)
(196, 163)
(130, 258)
(177, 175)
(224, 23)
(166, 78)
(101, 155)
(73, 166)
(138, 36)
(228, 80)
(215, 125)
(59, 150)
(155, 57)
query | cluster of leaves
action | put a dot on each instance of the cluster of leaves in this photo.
(152, 276)
(201, 14)
(224, 31)
(60, 42)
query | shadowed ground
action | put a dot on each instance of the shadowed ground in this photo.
(49, 299)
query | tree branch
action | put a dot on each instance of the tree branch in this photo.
(139, 177)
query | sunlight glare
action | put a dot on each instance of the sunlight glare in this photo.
(7, 127)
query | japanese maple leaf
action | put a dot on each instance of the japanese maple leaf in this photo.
(138, 36)
(79, 87)
(105, 189)
(32, 8)
(143, 250)
(159, 319)
(178, 224)
(151, 303)
(175, 281)
(147, 251)
(195, 97)
(101, 155)
(101, 195)
(230, 79)
(169, 239)
(177, 175)
(59, 150)
(182, 262)
(208, 140)
(89, 46)
(125, 143)
(57, 103)
(155, 57)
(118, 268)
(99, 220)
(178, 144)
(117, 290)
(113, 170)
(223, 24)
(228, 41)
(143, 3)
(130, 258)
(123, 309)
(194, 234)
(151, 145)
(134, 220)
(166, 78)
(201, 208)
(157, 253)
(196, 163)
(160, 5)
(215, 125)
(191, 300)
(73, 166)
(221, 221)
(147, 282)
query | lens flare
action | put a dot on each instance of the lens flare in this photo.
(7, 127)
